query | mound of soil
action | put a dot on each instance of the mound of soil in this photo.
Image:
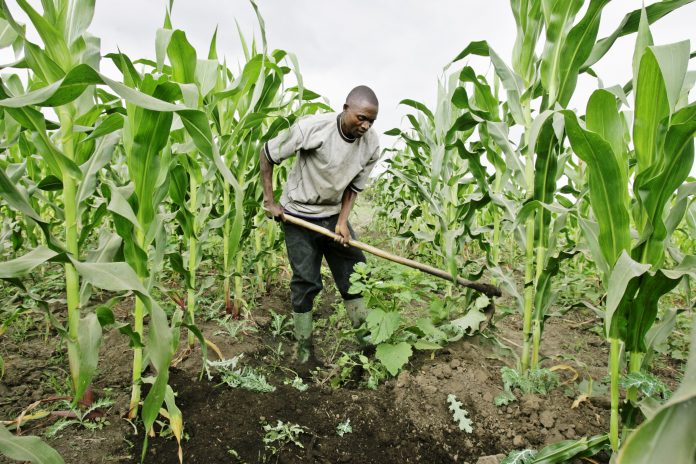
(406, 420)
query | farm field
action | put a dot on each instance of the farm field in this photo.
(145, 303)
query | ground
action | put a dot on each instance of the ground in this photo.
(405, 420)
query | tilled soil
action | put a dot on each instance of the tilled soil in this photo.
(406, 420)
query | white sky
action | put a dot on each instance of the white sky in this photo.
(397, 47)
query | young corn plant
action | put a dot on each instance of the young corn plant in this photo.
(636, 275)
(247, 111)
(437, 200)
(71, 155)
(536, 87)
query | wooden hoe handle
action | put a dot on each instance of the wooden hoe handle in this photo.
(486, 289)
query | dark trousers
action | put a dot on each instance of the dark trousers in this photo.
(306, 249)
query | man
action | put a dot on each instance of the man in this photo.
(336, 153)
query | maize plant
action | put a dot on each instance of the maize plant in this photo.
(437, 201)
(536, 88)
(664, 124)
(72, 157)
(91, 121)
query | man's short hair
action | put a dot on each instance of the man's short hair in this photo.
(362, 93)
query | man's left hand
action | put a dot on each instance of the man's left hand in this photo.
(343, 232)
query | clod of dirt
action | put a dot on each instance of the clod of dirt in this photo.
(493, 459)
(546, 419)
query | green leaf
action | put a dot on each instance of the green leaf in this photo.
(670, 434)
(182, 55)
(393, 357)
(567, 450)
(459, 415)
(624, 271)
(31, 449)
(603, 118)
(78, 16)
(470, 322)
(89, 339)
(103, 151)
(577, 49)
(50, 184)
(7, 34)
(119, 205)
(382, 325)
(419, 106)
(150, 136)
(558, 15)
(512, 83)
(652, 106)
(629, 24)
(608, 195)
(154, 399)
(52, 38)
(115, 277)
(24, 264)
(109, 124)
(656, 186)
(15, 199)
(206, 75)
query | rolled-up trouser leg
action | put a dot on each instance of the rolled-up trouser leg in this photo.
(305, 255)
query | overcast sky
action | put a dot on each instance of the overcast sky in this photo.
(397, 47)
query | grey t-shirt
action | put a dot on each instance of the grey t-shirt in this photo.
(327, 163)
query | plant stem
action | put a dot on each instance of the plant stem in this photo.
(226, 249)
(138, 324)
(238, 284)
(615, 349)
(193, 257)
(495, 252)
(529, 251)
(258, 245)
(72, 279)
(538, 318)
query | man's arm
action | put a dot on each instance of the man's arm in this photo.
(273, 209)
(347, 201)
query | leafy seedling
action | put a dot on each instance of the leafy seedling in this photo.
(459, 415)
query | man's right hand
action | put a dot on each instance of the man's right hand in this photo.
(274, 210)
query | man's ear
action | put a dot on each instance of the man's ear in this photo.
(345, 106)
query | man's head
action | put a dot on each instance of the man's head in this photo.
(359, 111)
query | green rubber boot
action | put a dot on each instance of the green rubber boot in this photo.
(357, 313)
(303, 337)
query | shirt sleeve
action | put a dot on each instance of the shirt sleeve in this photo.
(286, 144)
(359, 183)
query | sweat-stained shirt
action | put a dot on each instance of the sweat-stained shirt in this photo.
(327, 163)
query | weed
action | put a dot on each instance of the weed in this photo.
(246, 378)
(351, 364)
(539, 381)
(343, 428)
(647, 384)
(279, 435)
(233, 328)
(297, 383)
(82, 418)
(279, 325)
(459, 414)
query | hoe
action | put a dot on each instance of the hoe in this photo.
(487, 289)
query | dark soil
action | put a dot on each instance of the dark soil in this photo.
(405, 421)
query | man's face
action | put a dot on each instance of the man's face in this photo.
(358, 117)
